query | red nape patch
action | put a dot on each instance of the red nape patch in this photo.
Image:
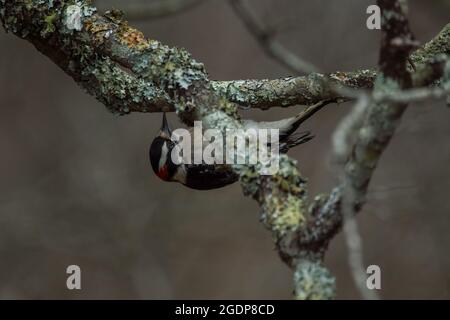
(163, 173)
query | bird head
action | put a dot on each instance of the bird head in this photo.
(160, 152)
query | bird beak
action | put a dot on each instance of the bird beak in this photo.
(165, 130)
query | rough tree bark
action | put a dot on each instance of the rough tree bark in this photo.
(130, 73)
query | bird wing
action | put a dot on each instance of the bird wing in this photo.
(202, 177)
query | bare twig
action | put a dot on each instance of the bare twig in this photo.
(265, 38)
(348, 128)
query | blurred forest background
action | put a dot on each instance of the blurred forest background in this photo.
(76, 186)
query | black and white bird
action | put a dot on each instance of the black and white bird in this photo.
(207, 176)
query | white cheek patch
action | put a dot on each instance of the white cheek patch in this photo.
(164, 153)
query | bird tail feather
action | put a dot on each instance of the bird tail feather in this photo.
(295, 139)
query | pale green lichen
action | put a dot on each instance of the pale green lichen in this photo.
(73, 18)
(283, 213)
(282, 196)
(428, 73)
(79, 37)
(439, 45)
(312, 281)
(250, 180)
(228, 108)
(49, 24)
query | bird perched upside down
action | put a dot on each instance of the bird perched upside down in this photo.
(207, 176)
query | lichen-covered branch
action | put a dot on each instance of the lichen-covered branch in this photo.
(286, 92)
(374, 124)
(123, 92)
(315, 87)
(128, 72)
(382, 119)
(120, 91)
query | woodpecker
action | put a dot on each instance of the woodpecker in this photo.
(207, 177)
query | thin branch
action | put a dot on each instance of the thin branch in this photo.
(286, 92)
(342, 142)
(265, 38)
(348, 128)
(412, 95)
(325, 86)
(374, 131)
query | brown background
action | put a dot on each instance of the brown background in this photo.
(76, 186)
